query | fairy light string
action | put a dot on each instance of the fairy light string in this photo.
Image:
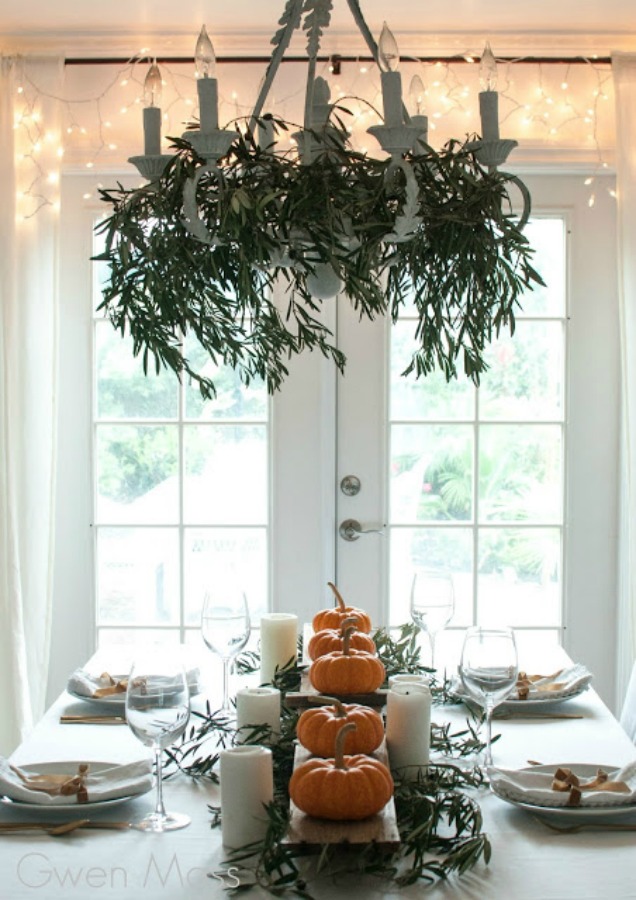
(556, 105)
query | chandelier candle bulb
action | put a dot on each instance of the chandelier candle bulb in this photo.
(207, 85)
(488, 97)
(408, 727)
(279, 638)
(247, 784)
(391, 80)
(258, 706)
(152, 112)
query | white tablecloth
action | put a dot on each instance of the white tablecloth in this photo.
(529, 862)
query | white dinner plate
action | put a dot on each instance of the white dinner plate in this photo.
(117, 702)
(458, 691)
(571, 813)
(54, 768)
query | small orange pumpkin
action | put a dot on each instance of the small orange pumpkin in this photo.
(317, 729)
(347, 671)
(343, 788)
(330, 639)
(332, 618)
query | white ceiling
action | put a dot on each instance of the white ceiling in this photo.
(244, 26)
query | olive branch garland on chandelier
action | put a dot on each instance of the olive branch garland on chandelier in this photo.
(237, 244)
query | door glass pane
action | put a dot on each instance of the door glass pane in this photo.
(137, 474)
(431, 473)
(520, 473)
(233, 400)
(519, 576)
(138, 576)
(525, 374)
(424, 398)
(213, 555)
(444, 548)
(123, 391)
(547, 236)
(225, 474)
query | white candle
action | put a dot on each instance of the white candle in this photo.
(152, 131)
(247, 782)
(258, 706)
(489, 112)
(408, 678)
(392, 98)
(279, 637)
(408, 726)
(207, 89)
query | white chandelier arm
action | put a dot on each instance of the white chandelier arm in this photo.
(290, 20)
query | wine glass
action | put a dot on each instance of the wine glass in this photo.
(157, 712)
(225, 628)
(488, 670)
(432, 602)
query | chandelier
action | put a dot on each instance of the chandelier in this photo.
(237, 245)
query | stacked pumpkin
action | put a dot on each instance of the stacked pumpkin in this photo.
(333, 785)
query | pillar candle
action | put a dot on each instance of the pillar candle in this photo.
(258, 706)
(207, 89)
(247, 782)
(279, 636)
(489, 112)
(152, 131)
(392, 98)
(408, 678)
(408, 726)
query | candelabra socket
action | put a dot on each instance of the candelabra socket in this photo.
(395, 139)
(151, 166)
(492, 153)
(210, 145)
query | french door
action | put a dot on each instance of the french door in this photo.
(362, 475)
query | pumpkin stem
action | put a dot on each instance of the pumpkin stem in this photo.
(346, 639)
(350, 620)
(339, 706)
(339, 762)
(340, 602)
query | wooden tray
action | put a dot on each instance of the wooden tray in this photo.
(305, 831)
(302, 697)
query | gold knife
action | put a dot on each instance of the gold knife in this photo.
(92, 720)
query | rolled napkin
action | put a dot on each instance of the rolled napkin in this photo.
(247, 784)
(73, 782)
(112, 688)
(257, 706)
(543, 788)
(564, 683)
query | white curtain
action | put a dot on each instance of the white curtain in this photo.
(29, 187)
(624, 73)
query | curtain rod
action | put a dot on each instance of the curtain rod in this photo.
(336, 60)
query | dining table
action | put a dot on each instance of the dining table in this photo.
(530, 860)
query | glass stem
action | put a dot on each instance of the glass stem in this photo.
(226, 685)
(160, 809)
(488, 754)
(432, 637)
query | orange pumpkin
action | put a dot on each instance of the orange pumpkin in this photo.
(332, 618)
(317, 729)
(343, 788)
(347, 671)
(330, 639)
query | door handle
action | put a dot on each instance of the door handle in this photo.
(351, 529)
